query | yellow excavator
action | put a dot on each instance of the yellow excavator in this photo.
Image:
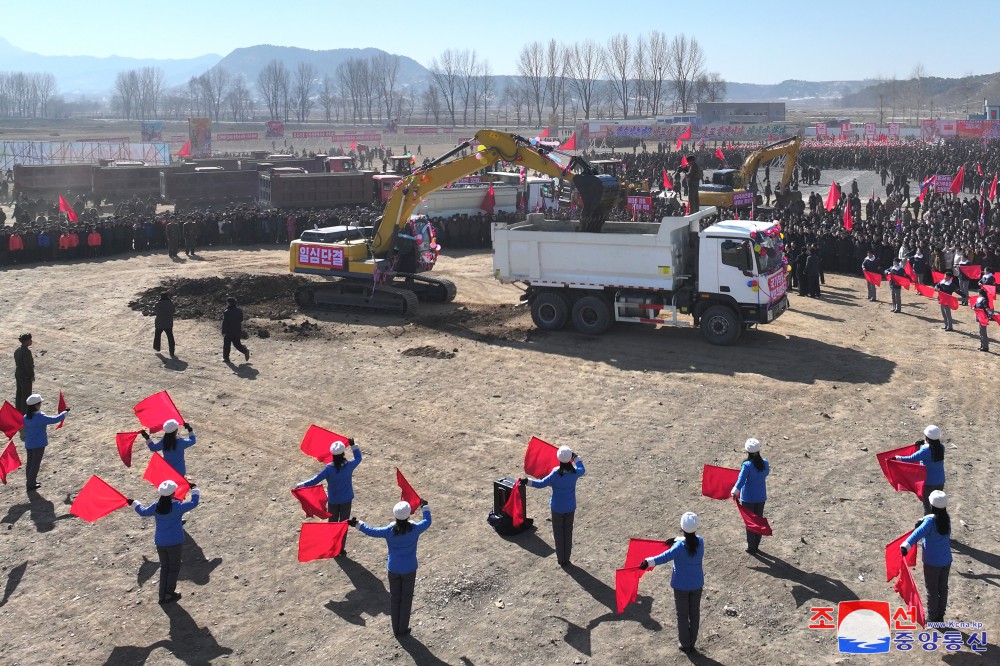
(378, 269)
(731, 187)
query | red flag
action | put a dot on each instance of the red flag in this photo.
(948, 300)
(159, 470)
(971, 271)
(900, 280)
(540, 458)
(545, 133)
(684, 161)
(514, 507)
(908, 267)
(354, 145)
(61, 408)
(408, 494)
(9, 461)
(96, 499)
(718, 482)
(317, 441)
(901, 452)
(185, 150)
(155, 410)
(313, 501)
(627, 586)
(924, 290)
(11, 420)
(640, 549)
(756, 524)
(956, 182)
(993, 189)
(979, 168)
(848, 219)
(319, 541)
(667, 184)
(489, 201)
(833, 196)
(570, 143)
(64, 207)
(124, 442)
(908, 592)
(938, 277)
(627, 578)
(894, 558)
(981, 317)
(719, 154)
(996, 317)
(685, 135)
(906, 476)
(991, 294)
(874, 278)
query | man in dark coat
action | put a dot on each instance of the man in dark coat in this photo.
(812, 273)
(694, 174)
(24, 372)
(232, 327)
(164, 322)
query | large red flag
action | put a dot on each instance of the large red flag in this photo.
(924, 290)
(540, 458)
(627, 586)
(570, 143)
(61, 408)
(971, 271)
(906, 476)
(11, 420)
(9, 461)
(993, 189)
(667, 184)
(719, 154)
(947, 300)
(489, 201)
(991, 294)
(155, 410)
(124, 442)
(317, 441)
(900, 280)
(408, 494)
(544, 134)
(514, 507)
(908, 592)
(318, 541)
(981, 317)
(159, 470)
(185, 150)
(908, 267)
(874, 278)
(64, 207)
(956, 182)
(96, 499)
(718, 482)
(686, 135)
(884, 456)
(833, 196)
(313, 501)
(938, 277)
(684, 161)
(754, 523)
(894, 558)
(848, 218)
(640, 549)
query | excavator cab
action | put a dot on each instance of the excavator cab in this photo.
(598, 195)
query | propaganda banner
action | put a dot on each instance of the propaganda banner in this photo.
(274, 129)
(152, 131)
(200, 136)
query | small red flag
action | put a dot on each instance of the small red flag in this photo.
(514, 507)
(319, 541)
(124, 442)
(570, 143)
(874, 278)
(408, 494)
(185, 150)
(155, 410)
(313, 501)
(540, 458)
(908, 592)
(947, 300)
(900, 280)
(971, 271)
(96, 499)
(833, 196)
(719, 154)
(685, 135)
(979, 168)
(354, 145)
(159, 470)
(884, 456)
(316, 443)
(544, 134)
(996, 317)
(9, 461)
(924, 290)
(908, 267)
(684, 161)
(938, 277)
(756, 524)
(981, 317)
(894, 558)
(640, 549)
(906, 476)
(718, 482)
(627, 586)
(667, 184)
(61, 408)
(11, 420)
(64, 207)
(489, 201)
(848, 218)
(993, 189)
(991, 294)
(956, 182)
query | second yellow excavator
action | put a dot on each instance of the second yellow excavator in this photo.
(731, 187)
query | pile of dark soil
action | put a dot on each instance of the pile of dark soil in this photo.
(484, 323)
(260, 296)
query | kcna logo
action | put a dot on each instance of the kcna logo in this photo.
(863, 627)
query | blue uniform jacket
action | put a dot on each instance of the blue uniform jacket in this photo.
(937, 547)
(176, 457)
(339, 483)
(36, 434)
(935, 470)
(687, 574)
(563, 488)
(751, 484)
(169, 530)
(402, 547)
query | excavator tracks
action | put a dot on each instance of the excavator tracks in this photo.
(356, 296)
(428, 289)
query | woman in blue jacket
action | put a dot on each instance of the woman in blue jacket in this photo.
(36, 437)
(562, 480)
(931, 456)
(934, 532)
(173, 447)
(339, 477)
(752, 487)
(401, 536)
(687, 579)
(169, 535)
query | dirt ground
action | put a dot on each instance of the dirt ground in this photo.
(451, 397)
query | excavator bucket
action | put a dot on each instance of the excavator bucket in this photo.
(599, 194)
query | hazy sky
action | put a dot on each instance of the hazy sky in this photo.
(759, 41)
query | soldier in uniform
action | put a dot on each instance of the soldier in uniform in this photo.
(24, 372)
(173, 237)
(190, 237)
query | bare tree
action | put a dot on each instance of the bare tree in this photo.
(685, 63)
(487, 88)
(272, 84)
(239, 99)
(126, 92)
(709, 87)
(150, 91)
(327, 97)
(656, 55)
(302, 88)
(432, 103)
(468, 82)
(584, 66)
(385, 68)
(618, 67)
(640, 71)
(531, 67)
(175, 104)
(445, 74)
(555, 76)
(45, 85)
(215, 85)
(918, 75)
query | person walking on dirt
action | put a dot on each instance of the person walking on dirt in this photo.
(687, 579)
(562, 480)
(232, 329)
(164, 322)
(169, 536)
(930, 455)
(24, 371)
(401, 538)
(946, 286)
(36, 437)
(338, 475)
(933, 531)
(173, 447)
(190, 237)
(751, 487)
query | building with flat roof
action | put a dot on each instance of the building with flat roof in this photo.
(741, 112)
(991, 109)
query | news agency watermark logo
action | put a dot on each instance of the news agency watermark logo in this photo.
(872, 627)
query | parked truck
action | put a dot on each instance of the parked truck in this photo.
(725, 278)
(282, 189)
(208, 188)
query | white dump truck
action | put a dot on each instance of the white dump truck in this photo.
(727, 277)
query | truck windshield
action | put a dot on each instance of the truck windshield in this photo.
(769, 256)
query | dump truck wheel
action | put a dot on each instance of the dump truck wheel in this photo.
(720, 325)
(591, 315)
(549, 311)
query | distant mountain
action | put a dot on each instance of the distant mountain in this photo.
(967, 92)
(794, 92)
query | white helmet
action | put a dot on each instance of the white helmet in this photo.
(752, 445)
(167, 488)
(402, 510)
(932, 432)
(564, 454)
(939, 499)
(337, 448)
(33, 399)
(690, 522)
(170, 425)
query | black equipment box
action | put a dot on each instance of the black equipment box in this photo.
(501, 493)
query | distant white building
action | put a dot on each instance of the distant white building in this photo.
(991, 109)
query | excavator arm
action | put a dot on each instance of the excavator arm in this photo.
(786, 147)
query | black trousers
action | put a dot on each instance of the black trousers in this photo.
(233, 340)
(936, 579)
(562, 534)
(170, 568)
(33, 465)
(23, 391)
(170, 339)
(401, 600)
(688, 604)
(338, 513)
(753, 539)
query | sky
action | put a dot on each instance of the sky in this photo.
(761, 41)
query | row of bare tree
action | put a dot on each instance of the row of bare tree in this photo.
(26, 94)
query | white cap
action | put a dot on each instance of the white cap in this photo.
(170, 425)
(33, 399)
(564, 454)
(337, 448)
(167, 488)
(690, 522)
(402, 510)
(752, 445)
(932, 432)
(938, 499)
